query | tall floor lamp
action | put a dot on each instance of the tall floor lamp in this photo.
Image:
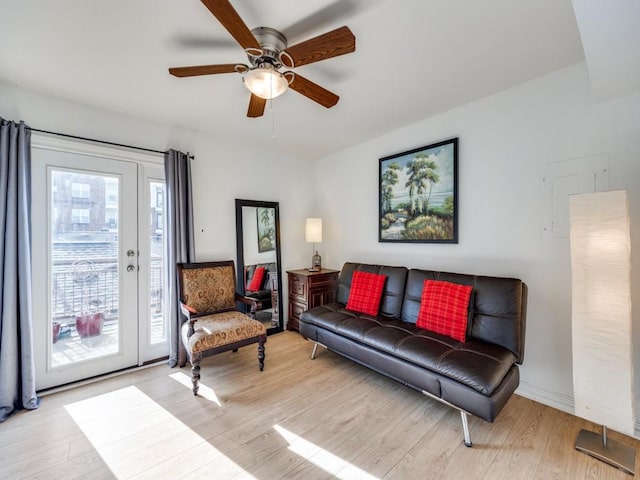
(601, 323)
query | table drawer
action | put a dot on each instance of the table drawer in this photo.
(298, 286)
(323, 280)
(296, 309)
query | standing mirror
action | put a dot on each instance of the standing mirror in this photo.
(259, 272)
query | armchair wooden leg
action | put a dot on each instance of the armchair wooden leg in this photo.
(195, 372)
(261, 354)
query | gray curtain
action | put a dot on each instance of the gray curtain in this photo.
(17, 371)
(180, 245)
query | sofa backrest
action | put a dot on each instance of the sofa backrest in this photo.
(392, 296)
(249, 270)
(497, 312)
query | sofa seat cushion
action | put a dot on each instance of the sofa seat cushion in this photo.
(479, 365)
(259, 294)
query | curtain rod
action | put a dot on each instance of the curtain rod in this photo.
(103, 141)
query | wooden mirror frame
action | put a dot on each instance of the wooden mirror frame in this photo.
(240, 203)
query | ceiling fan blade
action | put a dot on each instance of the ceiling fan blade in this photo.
(324, 17)
(204, 70)
(229, 18)
(256, 106)
(202, 42)
(313, 91)
(331, 44)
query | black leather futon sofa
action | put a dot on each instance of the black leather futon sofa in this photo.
(263, 293)
(476, 377)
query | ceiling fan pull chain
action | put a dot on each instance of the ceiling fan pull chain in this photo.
(273, 119)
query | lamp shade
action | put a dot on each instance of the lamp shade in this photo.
(313, 230)
(601, 309)
(265, 82)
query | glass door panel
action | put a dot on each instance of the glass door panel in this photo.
(85, 265)
(154, 335)
(158, 325)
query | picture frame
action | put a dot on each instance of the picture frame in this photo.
(418, 195)
(265, 218)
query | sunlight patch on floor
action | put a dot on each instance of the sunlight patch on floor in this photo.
(137, 438)
(203, 391)
(332, 464)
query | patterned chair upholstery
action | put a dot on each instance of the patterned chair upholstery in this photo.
(211, 323)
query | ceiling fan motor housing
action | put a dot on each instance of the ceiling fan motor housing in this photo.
(272, 44)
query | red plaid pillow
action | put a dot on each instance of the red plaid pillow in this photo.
(256, 280)
(366, 292)
(444, 308)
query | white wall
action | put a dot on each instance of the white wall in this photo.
(221, 172)
(504, 142)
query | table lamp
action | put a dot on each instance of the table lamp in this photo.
(313, 235)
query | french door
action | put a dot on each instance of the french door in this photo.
(98, 262)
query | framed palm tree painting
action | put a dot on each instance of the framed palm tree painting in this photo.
(418, 200)
(266, 229)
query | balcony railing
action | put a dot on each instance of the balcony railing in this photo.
(96, 290)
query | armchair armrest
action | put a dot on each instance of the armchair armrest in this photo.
(186, 311)
(190, 309)
(254, 303)
(190, 315)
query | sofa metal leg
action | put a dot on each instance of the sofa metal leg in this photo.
(315, 349)
(465, 429)
(463, 415)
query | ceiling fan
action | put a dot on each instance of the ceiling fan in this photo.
(268, 53)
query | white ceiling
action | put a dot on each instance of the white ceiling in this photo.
(413, 59)
(611, 38)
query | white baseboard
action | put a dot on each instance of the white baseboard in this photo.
(546, 396)
(554, 399)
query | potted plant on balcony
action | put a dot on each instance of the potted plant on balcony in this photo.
(60, 331)
(56, 330)
(88, 323)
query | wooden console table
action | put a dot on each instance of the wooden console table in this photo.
(309, 289)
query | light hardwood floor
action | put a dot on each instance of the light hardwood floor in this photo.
(299, 419)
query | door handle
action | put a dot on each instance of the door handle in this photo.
(130, 268)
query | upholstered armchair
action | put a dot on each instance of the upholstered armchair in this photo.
(211, 322)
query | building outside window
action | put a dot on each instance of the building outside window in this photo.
(80, 215)
(80, 190)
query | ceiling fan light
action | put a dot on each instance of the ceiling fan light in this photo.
(265, 82)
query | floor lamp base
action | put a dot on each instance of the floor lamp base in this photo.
(607, 450)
